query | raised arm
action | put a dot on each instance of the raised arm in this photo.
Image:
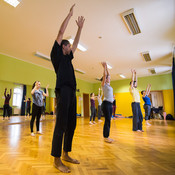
(135, 77)
(5, 92)
(64, 25)
(34, 89)
(80, 23)
(148, 89)
(47, 92)
(132, 79)
(105, 73)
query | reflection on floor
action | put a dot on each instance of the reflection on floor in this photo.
(147, 153)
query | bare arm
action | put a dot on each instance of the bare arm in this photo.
(135, 77)
(64, 25)
(132, 79)
(47, 92)
(80, 23)
(148, 89)
(5, 92)
(99, 92)
(104, 73)
(34, 89)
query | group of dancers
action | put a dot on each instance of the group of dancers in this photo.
(61, 56)
(94, 110)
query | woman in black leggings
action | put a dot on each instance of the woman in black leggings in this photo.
(37, 95)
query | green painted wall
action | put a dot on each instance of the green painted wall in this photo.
(18, 71)
(26, 73)
(158, 82)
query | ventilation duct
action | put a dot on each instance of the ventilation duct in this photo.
(152, 71)
(131, 22)
(146, 56)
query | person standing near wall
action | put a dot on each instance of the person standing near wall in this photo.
(6, 104)
(93, 110)
(113, 107)
(44, 109)
(61, 57)
(28, 107)
(136, 110)
(107, 103)
(37, 95)
(99, 98)
(147, 105)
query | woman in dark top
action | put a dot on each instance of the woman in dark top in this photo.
(6, 104)
(28, 106)
(93, 110)
(113, 107)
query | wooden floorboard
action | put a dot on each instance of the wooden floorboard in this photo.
(148, 153)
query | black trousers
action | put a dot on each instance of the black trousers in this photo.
(6, 110)
(36, 113)
(107, 111)
(65, 120)
(28, 111)
(137, 116)
(99, 112)
(93, 113)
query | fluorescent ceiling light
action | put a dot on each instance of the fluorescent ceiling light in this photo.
(14, 3)
(79, 71)
(122, 76)
(108, 66)
(80, 47)
(163, 69)
(41, 55)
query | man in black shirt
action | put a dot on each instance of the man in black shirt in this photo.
(61, 56)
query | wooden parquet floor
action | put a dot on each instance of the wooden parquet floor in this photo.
(148, 153)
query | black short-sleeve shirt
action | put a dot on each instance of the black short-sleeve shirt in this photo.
(63, 67)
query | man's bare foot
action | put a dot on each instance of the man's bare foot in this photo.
(67, 158)
(60, 166)
(108, 140)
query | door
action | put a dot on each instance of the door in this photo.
(86, 105)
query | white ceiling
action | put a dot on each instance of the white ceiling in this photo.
(33, 26)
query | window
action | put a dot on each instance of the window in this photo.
(17, 97)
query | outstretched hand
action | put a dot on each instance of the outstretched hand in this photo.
(133, 71)
(47, 86)
(80, 21)
(104, 64)
(71, 10)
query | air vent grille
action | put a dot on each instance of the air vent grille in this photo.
(146, 56)
(152, 71)
(131, 22)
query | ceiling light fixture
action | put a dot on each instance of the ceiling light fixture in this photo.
(41, 55)
(79, 71)
(108, 65)
(122, 76)
(13, 3)
(80, 47)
